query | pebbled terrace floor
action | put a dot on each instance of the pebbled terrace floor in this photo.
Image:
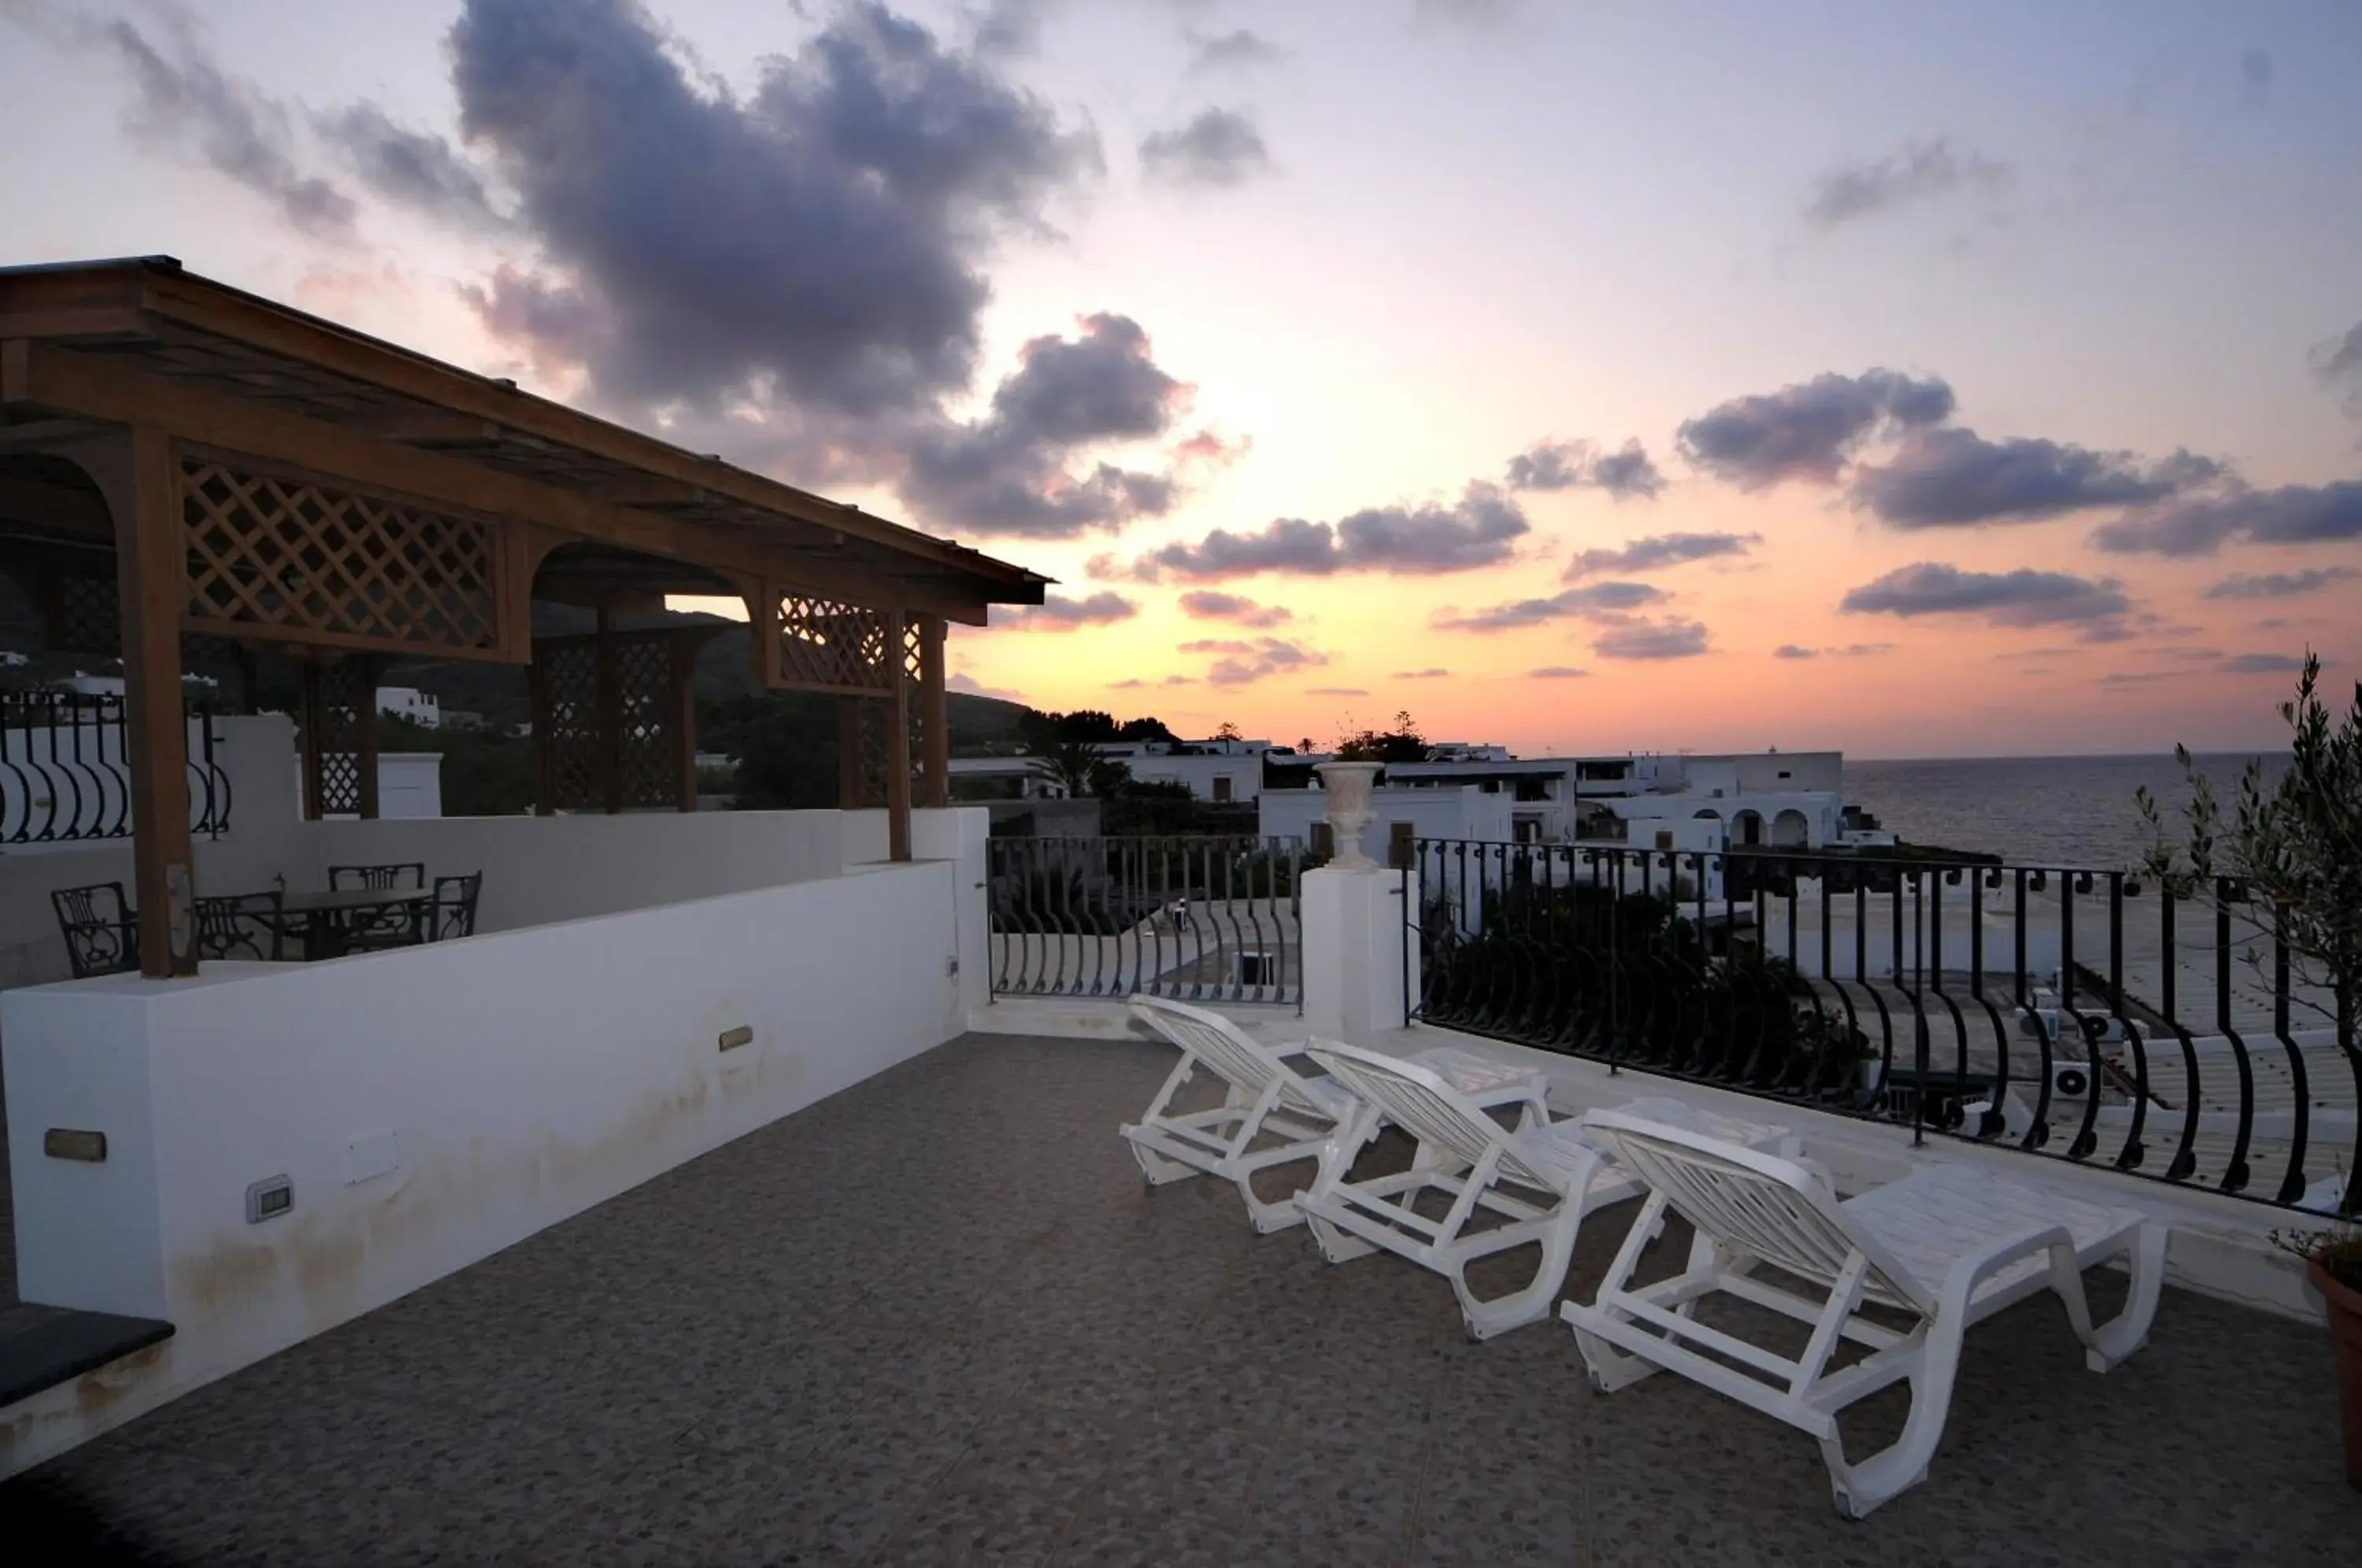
(937, 1318)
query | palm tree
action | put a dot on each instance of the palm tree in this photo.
(1077, 767)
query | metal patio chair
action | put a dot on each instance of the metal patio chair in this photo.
(241, 925)
(1538, 1178)
(1267, 1099)
(102, 932)
(453, 912)
(1946, 1247)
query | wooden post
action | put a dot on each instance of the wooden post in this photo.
(140, 474)
(683, 648)
(898, 745)
(544, 774)
(365, 716)
(935, 727)
(314, 705)
(852, 790)
(611, 717)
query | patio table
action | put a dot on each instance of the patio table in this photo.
(323, 921)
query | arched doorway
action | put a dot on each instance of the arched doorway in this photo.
(1791, 830)
(1747, 827)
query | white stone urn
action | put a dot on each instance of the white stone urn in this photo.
(1350, 812)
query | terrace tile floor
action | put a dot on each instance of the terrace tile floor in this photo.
(937, 1318)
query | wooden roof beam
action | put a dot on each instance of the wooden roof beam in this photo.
(41, 377)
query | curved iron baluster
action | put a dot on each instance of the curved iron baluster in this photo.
(2087, 1137)
(2185, 1154)
(2293, 1185)
(2130, 1156)
(2238, 1173)
(1994, 1122)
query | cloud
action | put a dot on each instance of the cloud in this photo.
(813, 248)
(2338, 363)
(2262, 664)
(1055, 614)
(1659, 551)
(186, 104)
(1949, 478)
(2137, 677)
(1851, 650)
(2020, 598)
(414, 168)
(1236, 51)
(1436, 673)
(1473, 14)
(1564, 465)
(1557, 672)
(1335, 692)
(1218, 146)
(1477, 530)
(1809, 430)
(962, 681)
(1008, 26)
(1651, 640)
(2199, 525)
(1007, 472)
(2279, 584)
(1921, 172)
(1599, 601)
(1251, 661)
(1206, 604)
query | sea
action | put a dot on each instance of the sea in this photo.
(2064, 811)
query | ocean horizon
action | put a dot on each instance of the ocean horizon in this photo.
(2068, 812)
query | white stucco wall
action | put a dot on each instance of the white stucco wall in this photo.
(538, 869)
(505, 1082)
(1467, 812)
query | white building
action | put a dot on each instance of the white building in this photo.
(1220, 771)
(1468, 813)
(1783, 799)
(409, 703)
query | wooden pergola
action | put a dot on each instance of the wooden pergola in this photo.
(182, 460)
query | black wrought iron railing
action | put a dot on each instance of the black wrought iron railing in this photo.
(62, 774)
(1194, 919)
(2095, 1016)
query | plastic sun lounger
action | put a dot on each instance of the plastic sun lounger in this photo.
(1267, 1099)
(1468, 1156)
(1948, 1246)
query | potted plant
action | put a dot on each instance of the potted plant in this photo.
(2334, 1262)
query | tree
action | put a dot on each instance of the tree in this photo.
(1144, 729)
(2296, 843)
(1078, 767)
(786, 746)
(1401, 744)
(1228, 731)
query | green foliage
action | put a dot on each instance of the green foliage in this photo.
(486, 773)
(1077, 766)
(2296, 843)
(786, 746)
(2337, 1250)
(1401, 744)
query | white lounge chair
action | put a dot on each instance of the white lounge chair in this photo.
(1268, 1098)
(1947, 1246)
(1470, 1157)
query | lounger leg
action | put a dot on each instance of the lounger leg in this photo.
(1335, 1163)
(1156, 1168)
(1901, 1465)
(1485, 1319)
(1608, 1368)
(2110, 1343)
(1268, 1217)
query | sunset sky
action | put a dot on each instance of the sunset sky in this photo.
(1918, 379)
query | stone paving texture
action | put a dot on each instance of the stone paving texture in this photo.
(937, 1318)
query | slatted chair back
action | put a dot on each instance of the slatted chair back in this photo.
(101, 933)
(1418, 1100)
(1222, 1047)
(241, 925)
(377, 878)
(454, 913)
(1762, 1204)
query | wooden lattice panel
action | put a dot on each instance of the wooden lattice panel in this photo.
(647, 707)
(86, 617)
(311, 563)
(337, 697)
(829, 645)
(565, 728)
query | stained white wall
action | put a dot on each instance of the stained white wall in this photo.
(514, 1080)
